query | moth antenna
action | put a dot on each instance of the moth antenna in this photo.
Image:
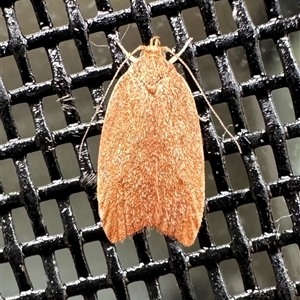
(128, 57)
(125, 32)
(106, 46)
(98, 46)
(203, 94)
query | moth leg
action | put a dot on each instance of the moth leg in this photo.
(128, 54)
(177, 55)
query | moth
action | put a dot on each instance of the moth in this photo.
(151, 163)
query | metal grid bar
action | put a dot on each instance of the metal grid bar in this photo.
(179, 263)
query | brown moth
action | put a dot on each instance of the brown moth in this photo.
(151, 163)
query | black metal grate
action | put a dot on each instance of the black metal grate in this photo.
(241, 248)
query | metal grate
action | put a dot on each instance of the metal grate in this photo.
(243, 252)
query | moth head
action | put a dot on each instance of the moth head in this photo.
(154, 48)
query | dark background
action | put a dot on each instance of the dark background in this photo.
(78, 204)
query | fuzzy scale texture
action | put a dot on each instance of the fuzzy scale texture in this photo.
(151, 164)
